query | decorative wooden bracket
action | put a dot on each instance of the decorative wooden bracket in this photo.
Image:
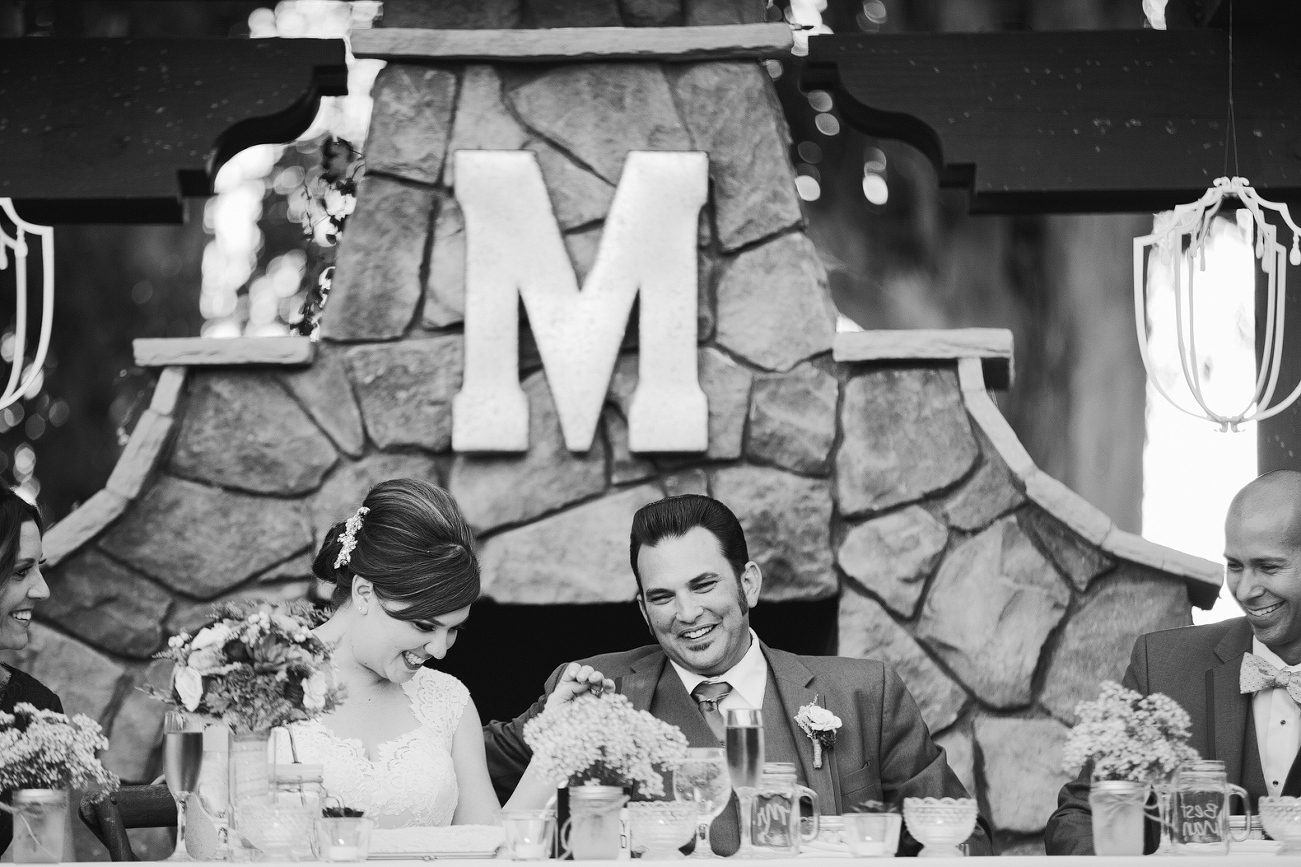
(1099, 121)
(119, 130)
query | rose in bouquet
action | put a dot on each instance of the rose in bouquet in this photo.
(44, 749)
(603, 740)
(255, 666)
(1122, 735)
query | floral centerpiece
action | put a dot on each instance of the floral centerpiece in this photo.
(1127, 743)
(1122, 735)
(603, 740)
(43, 754)
(44, 749)
(254, 666)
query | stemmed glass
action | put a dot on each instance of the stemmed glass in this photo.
(703, 779)
(182, 761)
(745, 765)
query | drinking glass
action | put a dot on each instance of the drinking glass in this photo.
(182, 762)
(745, 765)
(703, 779)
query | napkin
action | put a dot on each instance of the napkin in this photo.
(453, 839)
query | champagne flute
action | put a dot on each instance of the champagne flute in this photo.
(703, 778)
(182, 762)
(745, 765)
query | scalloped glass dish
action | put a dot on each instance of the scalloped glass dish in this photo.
(940, 824)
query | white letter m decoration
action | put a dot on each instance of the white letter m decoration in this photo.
(514, 250)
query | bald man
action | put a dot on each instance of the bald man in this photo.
(1230, 676)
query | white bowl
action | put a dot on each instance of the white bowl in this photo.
(940, 824)
(1276, 813)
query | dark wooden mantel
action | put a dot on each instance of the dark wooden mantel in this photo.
(120, 130)
(1100, 121)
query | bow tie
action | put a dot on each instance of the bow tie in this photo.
(1257, 674)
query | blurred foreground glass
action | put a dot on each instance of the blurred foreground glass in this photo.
(345, 838)
(1202, 793)
(702, 778)
(528, 833)
(872, 835)
(940, 824)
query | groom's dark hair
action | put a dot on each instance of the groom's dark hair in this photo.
(673, 517)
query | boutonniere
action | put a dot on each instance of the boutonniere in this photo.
(820, 725)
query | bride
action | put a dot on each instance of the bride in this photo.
(406, 745)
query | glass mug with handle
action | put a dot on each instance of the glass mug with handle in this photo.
(776, 826)
(1199, 814)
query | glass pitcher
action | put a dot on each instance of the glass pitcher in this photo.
(776, 827)
(1200, 809)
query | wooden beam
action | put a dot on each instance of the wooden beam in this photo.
(665, 44)
(1100, 121)
(230, 352)
(993, 346)
(120, 130)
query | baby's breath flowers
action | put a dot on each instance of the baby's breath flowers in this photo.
(255, 666)
(43, 749)
(1122, 735)
(604, 740)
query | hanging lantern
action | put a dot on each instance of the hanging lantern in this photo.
(1180, 239)
(14, 247)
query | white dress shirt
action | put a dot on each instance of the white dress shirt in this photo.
(1278, 724)
(748, 678)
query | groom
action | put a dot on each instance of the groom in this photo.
(1239, 679)
(697, 585)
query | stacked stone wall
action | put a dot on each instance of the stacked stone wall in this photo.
(890, 484)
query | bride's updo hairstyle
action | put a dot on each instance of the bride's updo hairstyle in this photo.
(414, 546)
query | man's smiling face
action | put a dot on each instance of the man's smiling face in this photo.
(694, 602)
(1262, 553)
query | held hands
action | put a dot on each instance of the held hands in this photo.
(577, 680)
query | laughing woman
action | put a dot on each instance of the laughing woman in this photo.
(405, 744)
(21, 587)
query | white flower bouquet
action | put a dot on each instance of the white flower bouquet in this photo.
(603, 740)
(1122, 735)
(254, 666)
(44, 749)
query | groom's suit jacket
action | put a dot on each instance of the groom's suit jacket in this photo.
(1198, 667)
(883, 751)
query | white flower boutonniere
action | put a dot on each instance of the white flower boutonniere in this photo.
(821, 726)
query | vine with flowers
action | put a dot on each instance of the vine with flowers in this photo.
(328, 198)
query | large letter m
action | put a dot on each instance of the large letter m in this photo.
(514, 251)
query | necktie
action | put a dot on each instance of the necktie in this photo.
(708, 695)
(1257, 674)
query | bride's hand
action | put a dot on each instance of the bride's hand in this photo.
(576, 680)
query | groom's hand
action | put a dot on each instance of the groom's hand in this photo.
(576, 680)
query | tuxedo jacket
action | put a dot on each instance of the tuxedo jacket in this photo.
(1198, 667)
(883, 750)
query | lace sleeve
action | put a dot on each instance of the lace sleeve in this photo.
(438, 700)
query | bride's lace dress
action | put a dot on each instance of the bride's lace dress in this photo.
(412, 781)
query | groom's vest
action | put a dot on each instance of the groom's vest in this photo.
(672, 703)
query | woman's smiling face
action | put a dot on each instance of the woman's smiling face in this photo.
(395, 649)
(20, 592)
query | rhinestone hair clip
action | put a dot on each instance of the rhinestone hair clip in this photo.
(348, 538)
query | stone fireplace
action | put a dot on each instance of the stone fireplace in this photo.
(874, 475)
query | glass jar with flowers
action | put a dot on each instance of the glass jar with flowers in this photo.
(43, 754)
(1129, 743)
(605, 751)
(254, 666)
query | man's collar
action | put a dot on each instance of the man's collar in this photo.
(1258, 647)
(747, 675)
